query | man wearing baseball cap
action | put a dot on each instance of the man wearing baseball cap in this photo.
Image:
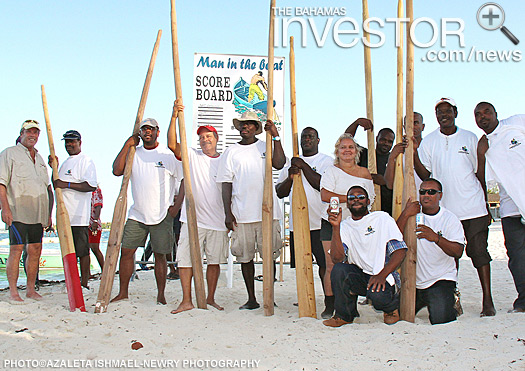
(26, 200)
(213, 234)
(77, 177)
(154, 170)
(449, 154)
(241, 172)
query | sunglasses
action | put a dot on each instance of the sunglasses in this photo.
(358, 197)
(30, 122)
(431, 192)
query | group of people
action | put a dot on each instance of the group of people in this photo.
(357, 251)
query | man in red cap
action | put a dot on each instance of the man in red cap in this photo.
(213, 234)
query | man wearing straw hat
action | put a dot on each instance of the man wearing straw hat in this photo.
(241, 172)
(153, 176)
(26, 200)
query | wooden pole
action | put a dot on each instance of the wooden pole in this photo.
(372, 164)
(119, 212)
(267, 205)
(195, 251)
(301, 223)
(65, 235)
(408, 269)
(397, 201)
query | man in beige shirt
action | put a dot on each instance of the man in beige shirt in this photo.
(26, 200)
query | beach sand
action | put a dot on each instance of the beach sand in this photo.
(279, 342)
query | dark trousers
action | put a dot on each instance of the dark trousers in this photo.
(439, 298)
(514, 233)
(349, 281)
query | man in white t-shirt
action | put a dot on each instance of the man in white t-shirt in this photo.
(366, 248)
(503, 150)
(153, 176)
(77, 177)
(242, 172)
(311, 164)
(448, 154)
(440, 241)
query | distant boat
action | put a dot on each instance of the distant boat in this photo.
(241, 90)
(51, 258)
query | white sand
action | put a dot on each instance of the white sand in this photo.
(281, 342)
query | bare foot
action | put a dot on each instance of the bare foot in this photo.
(34, 295)
(214, 304)
(15, 298)
(161, 300)
(250, 305)
(488, 311)
(183, 307)
(119, 297)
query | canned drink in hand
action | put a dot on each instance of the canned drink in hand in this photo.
(420, 218)
(334, 205)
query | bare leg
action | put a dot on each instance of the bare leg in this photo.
(327, 285)
(161, 270)
(125, 272)
(213, 272)
(248, 274)
(84, 270)
(12, 268)
(484, 277)
(98, 254)
(185, 281)
(33, 259)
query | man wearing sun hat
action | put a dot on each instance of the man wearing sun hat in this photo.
(77, 177)
(241, 172)
(213, 234)
(449, 154)
(26, 200)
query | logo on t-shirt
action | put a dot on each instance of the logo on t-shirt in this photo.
(369, 230)
(68, 172)
(159, 164)
(464, 150)
(514, 143)
(263, 155)
(314, 169)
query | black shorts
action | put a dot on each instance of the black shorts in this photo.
(21, 233)
(326, 230)
(317, 249)
(81, 241)
(477, 233)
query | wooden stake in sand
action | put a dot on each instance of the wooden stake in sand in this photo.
(301, 224)
(267, 205)
(408, 268)
(397, 201)
(195, 251)
(372, 164)
(65, 236)
(119, 213)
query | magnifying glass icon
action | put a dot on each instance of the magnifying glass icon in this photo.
(491, 17)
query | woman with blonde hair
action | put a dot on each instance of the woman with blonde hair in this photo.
(335, 182)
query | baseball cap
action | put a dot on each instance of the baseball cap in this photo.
(28, 124)
(149, 122)
(248, 116)
(71, 134)
(207, 127)
(450, 101)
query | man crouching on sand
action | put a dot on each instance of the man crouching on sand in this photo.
(374, 247)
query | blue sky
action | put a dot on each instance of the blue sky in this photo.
(92, 58)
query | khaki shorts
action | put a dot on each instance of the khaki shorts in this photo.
(247, 239)
(161, 235)
(213, 243)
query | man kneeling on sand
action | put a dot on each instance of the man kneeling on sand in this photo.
(366, 249)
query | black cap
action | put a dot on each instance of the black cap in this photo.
(71, 134)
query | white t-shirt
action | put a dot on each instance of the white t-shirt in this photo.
(316, 209)
(432, 264)
(366, 241)
(243, 166)
(452, 159)
(153, 177)
(337, 181)
(506, 164)
(206, 191)
(78, 169)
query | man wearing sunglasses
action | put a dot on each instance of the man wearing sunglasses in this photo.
(503, 151)
(26, 201)
(373, 247)
(450, 155)
(440, 241)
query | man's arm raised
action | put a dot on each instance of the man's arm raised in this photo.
(120, 162)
